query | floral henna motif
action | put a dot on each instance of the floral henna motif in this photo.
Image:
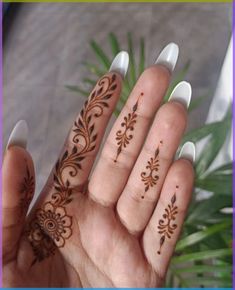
(152, 165)
(27, 190)
(51, 225)
(124, 137)
(166, 225)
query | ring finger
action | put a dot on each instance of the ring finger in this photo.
(145, 182)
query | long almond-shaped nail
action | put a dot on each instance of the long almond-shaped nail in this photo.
(19, 135)
(168, 56)
(182, 93)
(120, 63)
(188, 151)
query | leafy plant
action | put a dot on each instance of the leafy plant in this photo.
(203, 256)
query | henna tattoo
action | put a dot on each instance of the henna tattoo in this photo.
(166, 226)
(51, 225)
(153, 165)
(26, 190)
(123, 138)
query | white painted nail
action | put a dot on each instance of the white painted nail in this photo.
(120, 63)
(182, 93)
(19, 135)
(188, 151)
(168, 56)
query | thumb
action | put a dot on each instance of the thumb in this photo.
(18, 179)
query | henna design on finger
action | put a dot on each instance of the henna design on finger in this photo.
(166, 225)
(26, 190)
(51, 225)
(123, 138)
(152, 165)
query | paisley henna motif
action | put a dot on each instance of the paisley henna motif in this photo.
(151, 178)
(124, 137)
(166, 225)
(51, 225)
(27, 190)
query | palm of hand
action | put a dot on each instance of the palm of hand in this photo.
(100, 235)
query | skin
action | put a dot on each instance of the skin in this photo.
(113, 238)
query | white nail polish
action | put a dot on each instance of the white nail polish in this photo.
(188, 151)
(168, 56)
(19, 135)
(120, 63)
(182, 93)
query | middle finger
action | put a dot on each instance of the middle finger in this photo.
(129, 131)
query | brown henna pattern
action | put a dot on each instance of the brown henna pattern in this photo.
(124, 137)
(166, 225)
(51, 225)
(150, 179)
(26, 190)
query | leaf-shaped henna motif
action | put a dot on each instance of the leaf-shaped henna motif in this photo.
(26, 190)
(150, 179)
(123, 137)
(166, 225)
(51, 225)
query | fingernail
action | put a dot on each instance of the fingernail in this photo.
(168, 56)
(188, 151)
(19, 135)
(120, 63)
(182, 93)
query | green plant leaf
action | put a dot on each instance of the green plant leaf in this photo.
(210, 282)
(214, 144)
(76, 89)
(224, 169)
(91, 82)
(215, 183)
(94, 69)
(200, 133)
(206, 208)
(142, 56)
(195, 103)
(201, 235)
(132, 67)
(179, 77)
(199, 256)
(114, 44)
(101, 55)
(204, 269)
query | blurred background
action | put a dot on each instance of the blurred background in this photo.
(45, 45)
(45, 48)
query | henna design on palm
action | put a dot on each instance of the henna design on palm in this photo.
(152, 165)
(124, 137)
(27, 190)
(166, 225)
(51, 225)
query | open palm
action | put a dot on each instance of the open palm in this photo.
(116, 226)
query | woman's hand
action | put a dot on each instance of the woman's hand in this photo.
(116, 226)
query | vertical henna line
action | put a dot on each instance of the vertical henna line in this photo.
(51, 225)
(123, 138)
(166, 226)
(26, 190)
(153, 166)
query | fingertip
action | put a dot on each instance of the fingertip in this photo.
(17, 164)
